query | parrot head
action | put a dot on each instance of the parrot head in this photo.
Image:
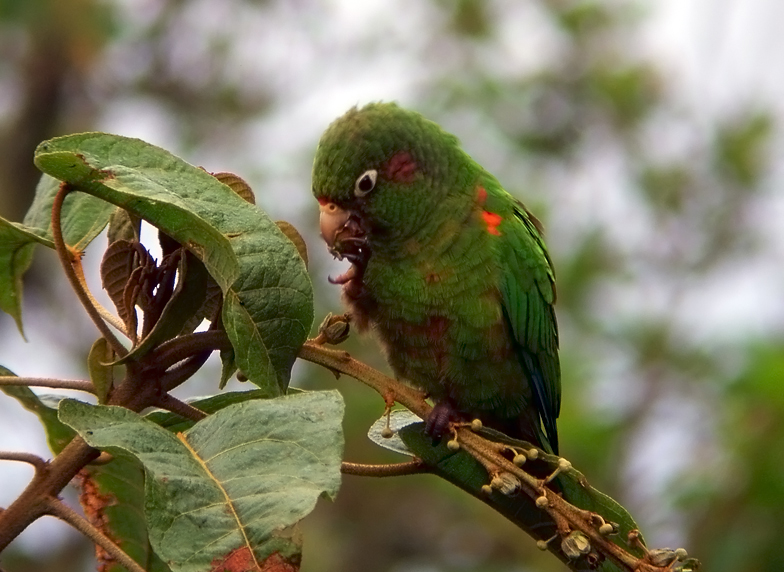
(379, 174)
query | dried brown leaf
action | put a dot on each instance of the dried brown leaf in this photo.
(294, 236)
(237, 184)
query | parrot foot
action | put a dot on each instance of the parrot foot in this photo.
(440, 418)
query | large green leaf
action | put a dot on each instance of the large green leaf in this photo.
(112, 494)
(268, 299)
(83, 217)
(227, 489)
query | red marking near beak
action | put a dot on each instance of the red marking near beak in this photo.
(492, 220)
(323, 200)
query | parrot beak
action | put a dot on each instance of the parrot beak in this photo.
(342, 231)
(332, 219)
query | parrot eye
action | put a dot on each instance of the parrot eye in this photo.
(365, 183)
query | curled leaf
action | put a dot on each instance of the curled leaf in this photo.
(294, 236)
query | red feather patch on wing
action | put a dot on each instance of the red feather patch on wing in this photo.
(492, 220)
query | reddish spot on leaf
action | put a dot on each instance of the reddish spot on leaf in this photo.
(238, 560)
(277, 563)
(492, 220)
(94, 504)
(481, 195)
(242, 560)
(401, 168)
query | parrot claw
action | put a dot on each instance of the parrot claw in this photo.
(440, 418)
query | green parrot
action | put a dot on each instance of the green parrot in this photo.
(447, 268)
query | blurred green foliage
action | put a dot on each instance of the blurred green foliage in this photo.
(649, 213)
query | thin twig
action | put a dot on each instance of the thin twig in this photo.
(24, 457)
(102, 311)
(70, 261)
(64, 512)
(415, 467)
(77, 384)
(170, 403)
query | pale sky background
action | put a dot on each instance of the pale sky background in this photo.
(723, 54)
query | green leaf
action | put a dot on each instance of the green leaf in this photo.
(122, 226)
(398, 419)
(295, 237)
(268, 298)
(113, 494)
(101, 371)
(226, 489)
(16, 254)
(228, 367)
(57, 434)
(83, 217)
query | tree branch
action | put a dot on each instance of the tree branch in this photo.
(46, 483)
(77, 384)
(390, 389)
(561, 511)
(24, 457)
(415, 467)
(64, 512)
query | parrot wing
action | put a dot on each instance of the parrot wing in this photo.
(528, 294)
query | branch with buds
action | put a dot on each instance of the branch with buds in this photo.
(585, 535)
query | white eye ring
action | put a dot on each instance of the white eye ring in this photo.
(365, 183)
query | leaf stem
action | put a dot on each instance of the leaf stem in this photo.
(70, 261)
(77, 384)
(183, 347)
(183, 372)
(62, 511)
